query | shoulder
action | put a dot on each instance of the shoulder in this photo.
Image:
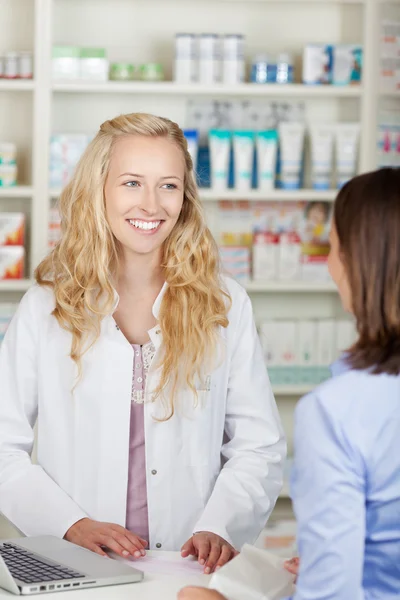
(39, 300)
(353, 403)
(237, 293)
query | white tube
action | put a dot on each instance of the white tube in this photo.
(322, 137)
(243, 149)
(347, 137)
(291, 138)
(220, 146)
(267, 148)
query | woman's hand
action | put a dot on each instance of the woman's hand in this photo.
(293, 566)
(210, 549)
(196, 593)
(95, 536)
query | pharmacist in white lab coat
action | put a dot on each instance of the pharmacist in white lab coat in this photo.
(142, 365)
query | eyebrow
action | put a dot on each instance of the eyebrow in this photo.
(142, 176)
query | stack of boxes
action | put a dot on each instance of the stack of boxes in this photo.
(286, 241)
(300, 352)
(12, 252)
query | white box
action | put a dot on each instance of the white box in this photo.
(346, 335)
(326, 342)
(307, 354)
(269, 342)
(265, 257)
(287, 343)
(289, 256)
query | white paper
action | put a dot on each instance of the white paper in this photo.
(254, 575)
(162, 565)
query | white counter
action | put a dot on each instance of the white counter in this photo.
(160, 586)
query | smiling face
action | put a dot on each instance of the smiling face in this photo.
(144, 192)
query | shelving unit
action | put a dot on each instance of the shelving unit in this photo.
(73, 107)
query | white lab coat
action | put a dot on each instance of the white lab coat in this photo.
(215, 467)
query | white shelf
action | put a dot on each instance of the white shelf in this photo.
(17, 85)
(307, 287)
(273, 195)
(293, 390)
(15, 285)
(18, 191)
(209, 195)
(197, 89)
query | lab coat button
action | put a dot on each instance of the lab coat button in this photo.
(154, 472)
(158, 545)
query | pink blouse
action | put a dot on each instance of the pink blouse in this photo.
(137, 519)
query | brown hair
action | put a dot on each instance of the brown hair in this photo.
(367, 220)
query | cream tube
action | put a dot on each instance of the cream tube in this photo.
(322, 137)
(243, 152)
(220, 148)
(347, 138)
(291, 139)
(267, 149)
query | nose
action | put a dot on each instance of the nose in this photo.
(149, 202)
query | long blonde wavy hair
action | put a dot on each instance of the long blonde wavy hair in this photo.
(83, 267)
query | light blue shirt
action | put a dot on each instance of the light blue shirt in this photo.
(346, 488)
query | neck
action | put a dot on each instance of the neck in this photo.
(140, 272)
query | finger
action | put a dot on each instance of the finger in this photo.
(95, 548)
(109, 542)
(202, 545)
(213, 557)
(227, 553)
(135, 540)
(188, 549)
(130, 546)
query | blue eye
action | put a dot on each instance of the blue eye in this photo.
(170, 186)
(132, 184)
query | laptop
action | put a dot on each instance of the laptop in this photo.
(37, 565)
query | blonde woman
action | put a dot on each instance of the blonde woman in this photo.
(156, 421)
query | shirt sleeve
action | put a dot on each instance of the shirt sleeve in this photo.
(328, 490)
(29, 497)
(254, 450)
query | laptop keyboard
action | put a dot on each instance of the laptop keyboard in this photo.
(30, 568)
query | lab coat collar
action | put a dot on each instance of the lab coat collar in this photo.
(156, 306)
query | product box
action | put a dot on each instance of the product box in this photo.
(279, 342)
(93, 64)
(235, 261)
(66, 63)
(235, 223)
(8, 175)
(347, 64)
(8, 153)
(307, 355)
(317, 64)
(346, 336)
(326, 347)
(12, 229)
(288, 223)
(12, 260)
(314, 234)
(265, 256)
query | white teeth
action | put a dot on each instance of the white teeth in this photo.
(145, 224)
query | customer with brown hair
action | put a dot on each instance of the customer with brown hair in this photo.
(346, 481)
